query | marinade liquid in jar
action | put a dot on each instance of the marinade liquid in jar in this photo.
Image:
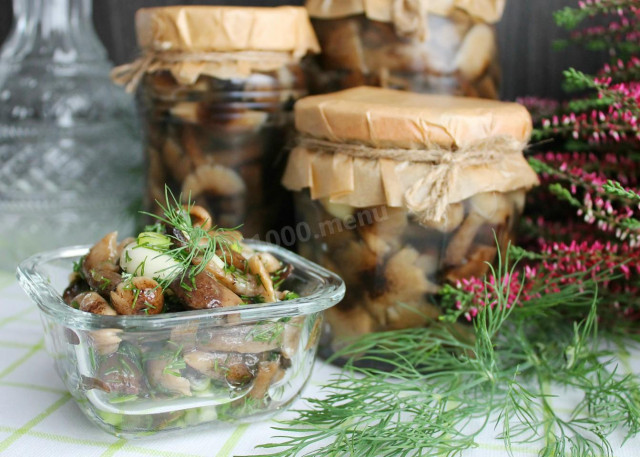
(402, 193)
(217, 89)
(428, 46)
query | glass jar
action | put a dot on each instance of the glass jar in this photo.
(217, 101)
(221, 142)
(458, 57)
(69, 141)
(394, 265)
(401, 194)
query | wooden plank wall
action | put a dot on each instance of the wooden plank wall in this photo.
(526, 33)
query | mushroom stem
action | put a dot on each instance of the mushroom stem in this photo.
(99, 266)
(266, 372)
(160, 378)
(257, 268)
(462, 240)
(490, 208)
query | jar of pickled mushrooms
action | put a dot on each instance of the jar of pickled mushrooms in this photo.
(217, 89)
(429, 46)
(400, 193)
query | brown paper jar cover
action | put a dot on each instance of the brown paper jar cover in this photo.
(489, 11)
(385, 118)
(225, 29)
(218, 41)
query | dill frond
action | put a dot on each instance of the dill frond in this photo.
(194, 242)
(438, 390)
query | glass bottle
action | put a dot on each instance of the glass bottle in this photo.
(69, 141)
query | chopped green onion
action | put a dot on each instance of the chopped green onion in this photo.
(123, 398)
(291, 296)
(154, 240)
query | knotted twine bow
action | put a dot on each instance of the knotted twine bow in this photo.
(130, 75)
(429, 196)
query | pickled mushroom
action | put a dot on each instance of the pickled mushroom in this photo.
(257, 268)
(236, 369)
(161, 375)
(93, 302)
(451, 220)
(106, 340)
(248, 339)
(99, 266)
(266, 372)
(182, 263)
(140, 295)
(121, 373)
(75, 288)
(213, 180)
(206, 292)
(401, 303)
(490, 208)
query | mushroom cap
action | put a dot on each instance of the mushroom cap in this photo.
(339, 210)
(476, 51)
(99, 266)
(140, 296)
(451, 220)
(235, 368)
(120, 374)
(206, 292)
(214, 180)
(106, 340)
(200, 217)
(176, 161)
(493, 207)
(156, 368)
(92, 302)
(270, 262)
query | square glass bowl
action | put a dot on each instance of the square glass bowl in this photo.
(137, 375)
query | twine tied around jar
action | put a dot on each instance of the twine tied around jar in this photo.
(428, 197)
(129, 75)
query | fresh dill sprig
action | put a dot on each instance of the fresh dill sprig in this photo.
(193, 242)
(439, 389)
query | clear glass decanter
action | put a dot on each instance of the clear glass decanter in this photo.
(70, 150)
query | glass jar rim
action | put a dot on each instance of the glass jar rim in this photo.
(328, 291)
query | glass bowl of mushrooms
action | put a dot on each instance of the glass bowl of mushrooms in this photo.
(184, 326)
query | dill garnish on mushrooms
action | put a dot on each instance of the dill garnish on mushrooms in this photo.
(191, 240)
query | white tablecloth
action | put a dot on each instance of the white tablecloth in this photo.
(39, 418)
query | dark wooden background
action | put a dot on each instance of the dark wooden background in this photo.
(526, 33)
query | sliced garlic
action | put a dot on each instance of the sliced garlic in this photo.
(145, 262)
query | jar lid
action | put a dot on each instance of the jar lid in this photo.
(390, 118)
(372, 146)
(489, 11)
(218, 41)
(225, 29)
